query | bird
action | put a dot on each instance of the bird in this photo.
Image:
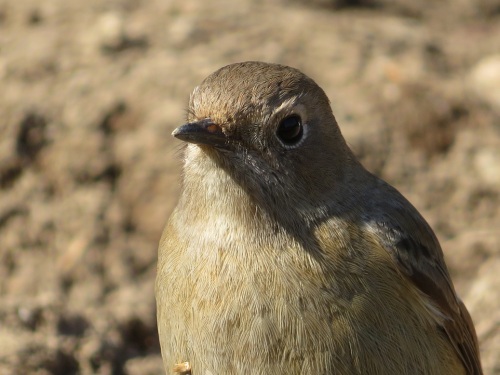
(284, 255)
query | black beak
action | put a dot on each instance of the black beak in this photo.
(203, 132)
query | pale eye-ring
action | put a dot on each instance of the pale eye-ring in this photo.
(290, 130)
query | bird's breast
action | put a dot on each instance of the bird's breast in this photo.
(252, 303)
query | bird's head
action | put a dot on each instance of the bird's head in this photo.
(271, 129)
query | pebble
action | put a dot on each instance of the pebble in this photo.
(484, 80)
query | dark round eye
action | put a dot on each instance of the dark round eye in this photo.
(290, 130)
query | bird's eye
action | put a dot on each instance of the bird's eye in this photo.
(290, 130)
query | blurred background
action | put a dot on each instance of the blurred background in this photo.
(91, 90)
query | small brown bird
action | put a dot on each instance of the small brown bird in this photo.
(285, 256)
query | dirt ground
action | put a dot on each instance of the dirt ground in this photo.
(91, 90)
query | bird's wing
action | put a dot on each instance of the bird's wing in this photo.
(418, 255)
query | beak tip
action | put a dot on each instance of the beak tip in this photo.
(201, 132)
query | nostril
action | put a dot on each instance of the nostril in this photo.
(214, 128)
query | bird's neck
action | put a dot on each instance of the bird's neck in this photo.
(211, 197)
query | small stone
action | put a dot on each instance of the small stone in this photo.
(111, 30)
(487, 164)
(484, 80)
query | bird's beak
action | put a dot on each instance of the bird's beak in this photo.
(203, 132)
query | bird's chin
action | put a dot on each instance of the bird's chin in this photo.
(223, 152)
(212, 152)
(215, 156)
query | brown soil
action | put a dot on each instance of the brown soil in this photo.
(90, 91)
